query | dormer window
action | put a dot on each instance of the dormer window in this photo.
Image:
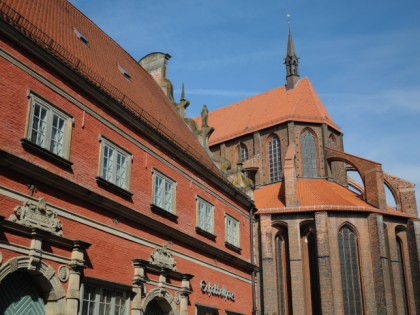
(125, 73)
(82, 37)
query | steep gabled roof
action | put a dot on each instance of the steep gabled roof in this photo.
(57, 26)
(268, 109)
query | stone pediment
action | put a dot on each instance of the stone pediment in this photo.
(36, 215)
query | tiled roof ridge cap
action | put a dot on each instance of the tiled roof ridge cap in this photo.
(317, 100)
(40, 38)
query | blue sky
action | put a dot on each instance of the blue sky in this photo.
(363, 58)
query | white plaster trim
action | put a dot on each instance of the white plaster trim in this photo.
(6, 55)
(5, 191)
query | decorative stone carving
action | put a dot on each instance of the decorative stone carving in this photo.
(63, 273)
(162, 257)
(37, 215)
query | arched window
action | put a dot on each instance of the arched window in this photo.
(309, 167)
(243, 151)
(349, 265)
(282, 275)
(274, 159)
(311, 274)
(401, 267)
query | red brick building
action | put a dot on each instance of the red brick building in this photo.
(108, 203)
(326, 244)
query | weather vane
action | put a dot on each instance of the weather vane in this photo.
(288, 18)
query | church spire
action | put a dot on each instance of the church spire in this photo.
(291, 61)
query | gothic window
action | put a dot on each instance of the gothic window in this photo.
(243, 152)
(311, 270)
(282, 275)
(401, 264)
(274, 159)
(308, 147)
(349, 265)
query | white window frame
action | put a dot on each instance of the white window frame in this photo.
(168, 187)
(45, 138)
(232, 237)
(96, 299)
(111, 171)
(205, 215)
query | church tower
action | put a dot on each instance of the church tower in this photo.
(292, 64)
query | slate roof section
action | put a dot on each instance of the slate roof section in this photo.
(273, 107)
(52, 24)
(314, 195)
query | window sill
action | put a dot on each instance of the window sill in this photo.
(165, 213)
(233, 247)
(205, 233)
(44, 153)
(113, 188)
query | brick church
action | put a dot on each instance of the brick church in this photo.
(327, 244)
(112, 201)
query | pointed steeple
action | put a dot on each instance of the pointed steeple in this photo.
(292, 62)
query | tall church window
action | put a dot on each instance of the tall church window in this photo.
(274, 159)
(349, 265)
(309, 167)
(282, 275)
(311, 274)
(401, 266)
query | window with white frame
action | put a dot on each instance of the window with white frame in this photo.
(115, 164)
(205, 215)
(101, 300)
(163, 192)
(232, 231)
(49, 127)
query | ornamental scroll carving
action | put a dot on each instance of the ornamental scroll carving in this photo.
(162, 257)
(37, 215)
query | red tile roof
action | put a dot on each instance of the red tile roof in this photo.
(314, 195)
(51, 24)
(268, 109)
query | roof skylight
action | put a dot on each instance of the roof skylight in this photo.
(82, 37)
(124, 72)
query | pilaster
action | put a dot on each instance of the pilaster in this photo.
(380, 265)
(296, 268)
(324, 263)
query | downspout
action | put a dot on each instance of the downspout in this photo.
(251, 224)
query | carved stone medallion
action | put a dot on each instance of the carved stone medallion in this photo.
(162, 257)
(37, 215)
(63, 273)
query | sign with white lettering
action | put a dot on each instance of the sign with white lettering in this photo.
(208, 288)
